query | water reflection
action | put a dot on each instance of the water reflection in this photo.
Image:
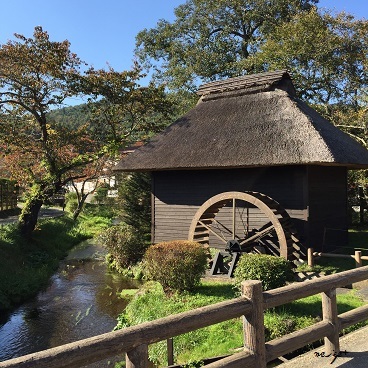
(80, 302)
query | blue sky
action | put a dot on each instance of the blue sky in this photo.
(104, 32)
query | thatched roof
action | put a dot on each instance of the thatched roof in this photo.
(247, 122)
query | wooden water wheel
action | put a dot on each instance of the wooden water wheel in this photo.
(246, 222)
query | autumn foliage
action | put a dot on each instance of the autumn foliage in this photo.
(38, 75)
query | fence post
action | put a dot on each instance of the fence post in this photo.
(358, 258)
(329, 311)
(170, 351)
(253, 324)
(137, 358)
(310, 257)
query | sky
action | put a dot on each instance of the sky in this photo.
(103, 32)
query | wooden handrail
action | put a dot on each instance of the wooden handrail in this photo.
(299, 290)
(134, 340)
(110, 344)
(357, 256)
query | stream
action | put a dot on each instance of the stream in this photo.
(81, 301)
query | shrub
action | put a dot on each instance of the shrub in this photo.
(176, 265)
(272, 271)
(124, 245)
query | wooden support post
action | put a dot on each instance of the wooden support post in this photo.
(218, 264)
(358, 258)
(310, 257)
(233, 263)
(253, 325)
(170, 351)
(329, 311)
(137, 358)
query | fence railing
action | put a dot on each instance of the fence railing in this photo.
(250, 306)
(357, 256)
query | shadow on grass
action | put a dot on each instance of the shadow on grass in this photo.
(217, 289)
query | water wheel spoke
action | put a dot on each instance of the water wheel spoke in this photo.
(213, 232)
(246, 222)
(220, 224)
(234, 218)
(257, 236)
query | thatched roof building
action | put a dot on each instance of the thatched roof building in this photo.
(246, 122)
(250, 134)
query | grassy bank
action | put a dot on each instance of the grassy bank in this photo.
(223, 338)
(26, 266)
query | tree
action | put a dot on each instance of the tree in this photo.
(135, 196)
(88, 182)
(326, 55)
(211, 39)
(37, 75)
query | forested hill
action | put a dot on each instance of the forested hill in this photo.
(71, 115)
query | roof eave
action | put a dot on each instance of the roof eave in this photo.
(349, 166)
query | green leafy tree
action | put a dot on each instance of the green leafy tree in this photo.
(325, 53)
(38, 75)
(327, 57)
(135, 196)
(210, 39)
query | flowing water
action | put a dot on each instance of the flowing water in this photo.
(81, 301)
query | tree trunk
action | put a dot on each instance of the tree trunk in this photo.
(80, 206)
(29, 216)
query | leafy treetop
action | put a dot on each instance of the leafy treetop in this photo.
(210, 39)
(37, 75)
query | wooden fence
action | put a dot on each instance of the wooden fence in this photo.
(357, 256)
(8, 195)
(250, 306)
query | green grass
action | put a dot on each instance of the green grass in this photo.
(357, 240)
(224, 338)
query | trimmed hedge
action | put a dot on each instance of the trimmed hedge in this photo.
(273, 271)
(176, 265)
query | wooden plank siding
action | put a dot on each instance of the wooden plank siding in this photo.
(179, 194)
(328, 207)
(314, 197)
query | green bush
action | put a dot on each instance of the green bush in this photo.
(124, 245)
(176, 265)
(272, 271)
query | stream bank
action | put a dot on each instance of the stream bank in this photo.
(81, 301)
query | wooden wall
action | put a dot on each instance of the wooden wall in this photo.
(178, 194)
(314, 196)
(328, 207)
